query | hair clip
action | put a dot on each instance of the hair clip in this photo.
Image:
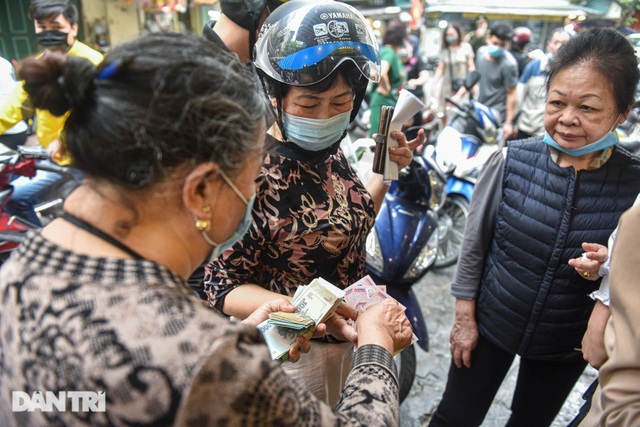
(112, 69)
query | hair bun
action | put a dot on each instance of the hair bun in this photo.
(78, 83)
(57, 82)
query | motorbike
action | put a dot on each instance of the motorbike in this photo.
(24, 162)
(471, 135)
(629, 131)
(402, 247)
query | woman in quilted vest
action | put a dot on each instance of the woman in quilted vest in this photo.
(535, 204)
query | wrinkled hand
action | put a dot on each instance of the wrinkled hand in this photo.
(385, 324)
(338, 325)
(403, 154)
(589, 268)
(282, 304)
(464, 333)
(593, 349)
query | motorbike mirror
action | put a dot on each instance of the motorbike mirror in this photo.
(472, 78)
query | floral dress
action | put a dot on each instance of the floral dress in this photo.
(310, 219)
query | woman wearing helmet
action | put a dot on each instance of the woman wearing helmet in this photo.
(312, 214)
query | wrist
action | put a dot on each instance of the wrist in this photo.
(369, 336)
(465, 310)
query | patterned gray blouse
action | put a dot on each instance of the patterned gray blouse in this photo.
(133, 330)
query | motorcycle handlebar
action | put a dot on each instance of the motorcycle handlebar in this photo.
(465, 108)
(455, 103)
(52, 168)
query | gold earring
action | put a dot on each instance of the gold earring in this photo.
(203, 224)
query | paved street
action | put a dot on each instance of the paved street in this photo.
(438, 305)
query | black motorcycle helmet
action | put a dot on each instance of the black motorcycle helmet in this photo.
(305, 41)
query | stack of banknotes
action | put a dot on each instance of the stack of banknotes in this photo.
(315, 303)
(364, 293)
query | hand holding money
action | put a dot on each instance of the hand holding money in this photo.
(282, 305)
(385, 324)
(365, 294)
(314, 303)
(341, 325)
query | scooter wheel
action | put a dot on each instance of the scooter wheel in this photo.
(406, 363)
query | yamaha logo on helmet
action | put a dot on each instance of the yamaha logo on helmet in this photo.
(335, 15)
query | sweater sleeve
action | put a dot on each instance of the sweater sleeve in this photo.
(239, 385)
(479, 228)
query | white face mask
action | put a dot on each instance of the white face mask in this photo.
(315, 134)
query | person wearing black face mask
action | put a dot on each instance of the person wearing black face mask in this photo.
(56, 27)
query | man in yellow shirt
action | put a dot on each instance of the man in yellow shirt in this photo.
(56, 28)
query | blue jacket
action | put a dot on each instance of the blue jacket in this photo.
(531, 301)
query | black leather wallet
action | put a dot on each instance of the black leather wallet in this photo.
(380, 153)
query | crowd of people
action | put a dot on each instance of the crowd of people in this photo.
(214, 187)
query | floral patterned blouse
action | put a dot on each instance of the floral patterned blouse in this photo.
(311, 218)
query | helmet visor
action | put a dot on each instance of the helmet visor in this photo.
(307, 45)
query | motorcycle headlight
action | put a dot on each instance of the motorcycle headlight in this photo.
(373, 252)
(437, 190)
(425, 258)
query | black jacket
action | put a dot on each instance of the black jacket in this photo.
(531, 301)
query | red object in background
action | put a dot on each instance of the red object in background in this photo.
(416, 11)
(25, 167)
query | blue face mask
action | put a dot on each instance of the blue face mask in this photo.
(315, 134)
(550, 56)
(608, 140)
(241, 230)
(495, 51)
